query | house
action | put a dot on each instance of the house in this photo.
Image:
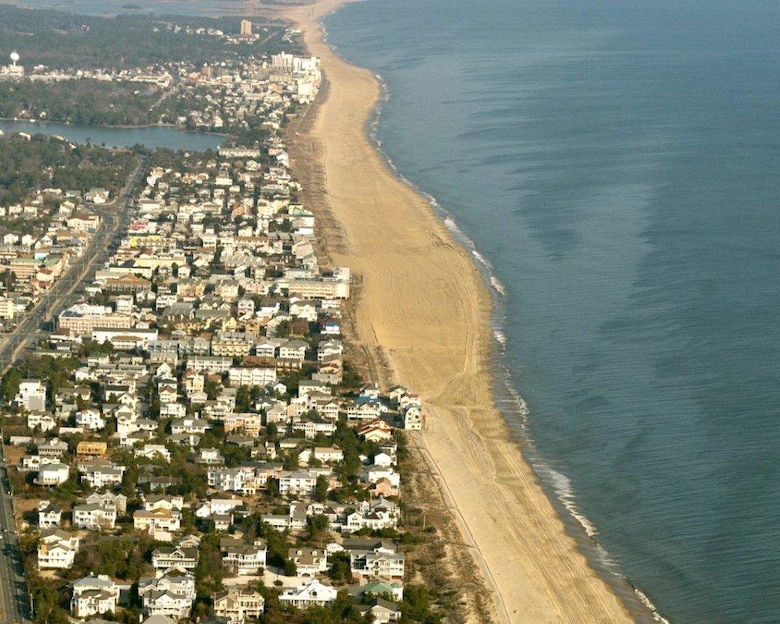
(210, 457)
(241, 558)
(413, 418)
(375, 430)
(380, 562)
(31, 395)
(176, 557)
(90, 419)
(382, 611)
(43, 421)
(49, 515)
(379, 589)
(57, 549)
(100, 476)
(238, 603)
(189, 425)
(108, 500)
(93, 595)
(91, 449)
(299, 483)
(53, 449)
(171, 595)
(157, 520)
(308, 595)
(152, 451)
(94, 517)
(53, 474)
(309, 561)
(163, 501)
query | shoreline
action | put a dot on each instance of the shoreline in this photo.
(417, 283)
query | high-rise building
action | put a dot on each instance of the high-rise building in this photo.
(246, 27)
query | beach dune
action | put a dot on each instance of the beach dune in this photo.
(424, 319)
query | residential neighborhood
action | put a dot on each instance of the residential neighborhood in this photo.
(190, 441)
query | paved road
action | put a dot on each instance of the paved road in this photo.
(14, 597)
(14, 606)
(114, 220)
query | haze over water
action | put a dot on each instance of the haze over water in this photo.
(616, 162)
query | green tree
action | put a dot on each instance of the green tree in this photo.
(9, 385)
(321, 489)
(318, 527)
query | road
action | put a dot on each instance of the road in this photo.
(114, 220)
(15, 605)
(14, 597)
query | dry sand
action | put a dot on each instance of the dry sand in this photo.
(423, 318)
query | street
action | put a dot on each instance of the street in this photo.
(14, 596)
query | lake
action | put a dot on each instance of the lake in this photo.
(152, 137)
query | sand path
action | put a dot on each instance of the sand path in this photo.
(424, 310)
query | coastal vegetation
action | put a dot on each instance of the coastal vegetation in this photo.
(63, 40)
(28, 165)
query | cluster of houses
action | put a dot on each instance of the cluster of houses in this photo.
(234, 96)
(33, 263)
(375, 565)
(213, 330)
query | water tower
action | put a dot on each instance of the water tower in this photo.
(14, 57)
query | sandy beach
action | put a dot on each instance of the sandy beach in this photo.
(423, 321)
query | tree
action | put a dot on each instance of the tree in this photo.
(321, 489)
(318, 527)
(9, 385)
(340, 569)
(243, 399)
(8, 279)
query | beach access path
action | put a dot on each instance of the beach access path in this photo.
(424, 317)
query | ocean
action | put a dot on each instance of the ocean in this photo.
(615, 167)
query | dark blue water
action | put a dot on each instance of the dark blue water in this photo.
(617, 164)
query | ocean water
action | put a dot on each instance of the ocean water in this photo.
(616, 163)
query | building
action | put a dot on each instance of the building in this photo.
(83, 318)
(176, 557)
(311, 594)
(31, 395)
(237, 604)
(157, 520)
(241, 558)
(94, 517)
(171, 595)
(93, 595)
(91, 449)
(53, 474)
(57, 550)
(246, 27)
(49, 515)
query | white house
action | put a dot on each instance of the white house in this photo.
(171, 595)
(311, 594)
(94, 517)
(53, 474)
(57, 550)
(93, 595)
(31, 395)
(49, 515)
